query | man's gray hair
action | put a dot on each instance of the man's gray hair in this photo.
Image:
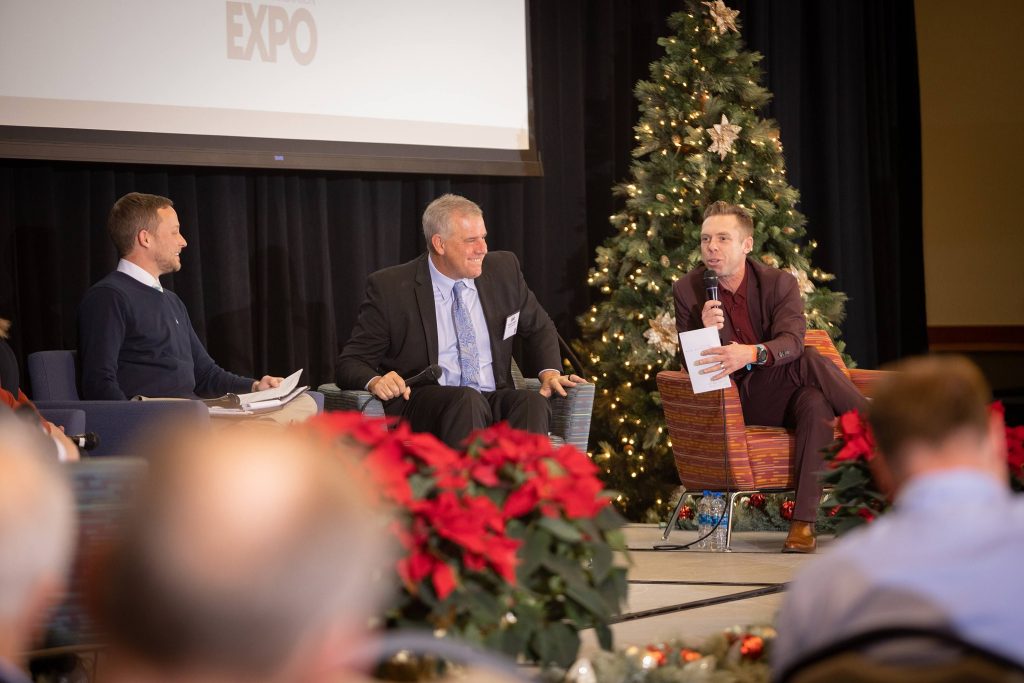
(37, 516)
(437, 218)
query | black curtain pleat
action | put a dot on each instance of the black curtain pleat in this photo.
(844, 80)
(276, 261)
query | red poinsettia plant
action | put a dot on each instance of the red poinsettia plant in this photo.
(510, 543)
(858, 485)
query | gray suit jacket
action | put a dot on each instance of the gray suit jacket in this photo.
(397, 324)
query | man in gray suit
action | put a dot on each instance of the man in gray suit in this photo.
(459, 307)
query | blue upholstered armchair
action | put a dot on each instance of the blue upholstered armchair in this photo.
(53, 376)
(570, 416)
(71, 419)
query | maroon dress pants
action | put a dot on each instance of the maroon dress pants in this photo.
(806, 396)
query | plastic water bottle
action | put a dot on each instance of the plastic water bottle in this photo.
(703, 517)
(720, 516)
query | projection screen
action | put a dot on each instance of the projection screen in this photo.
(386, 85)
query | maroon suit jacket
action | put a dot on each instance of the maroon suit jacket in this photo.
(773, 301)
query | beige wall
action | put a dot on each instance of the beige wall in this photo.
(971, 59)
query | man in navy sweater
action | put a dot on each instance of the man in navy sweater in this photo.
(134, 337)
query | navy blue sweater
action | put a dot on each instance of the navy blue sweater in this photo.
(134, 340)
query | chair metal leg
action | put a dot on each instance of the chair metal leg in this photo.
(732, 506)
(675, 515)
(728, 528)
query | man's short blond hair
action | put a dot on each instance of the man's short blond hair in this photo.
(721, 208)
(131, 214)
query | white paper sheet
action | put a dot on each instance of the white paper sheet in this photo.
(692, 343)
(286, 387)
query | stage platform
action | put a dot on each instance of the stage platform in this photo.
(694, 594)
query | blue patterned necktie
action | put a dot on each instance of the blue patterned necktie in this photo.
(469, 358)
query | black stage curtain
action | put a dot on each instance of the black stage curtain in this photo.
(276, 262)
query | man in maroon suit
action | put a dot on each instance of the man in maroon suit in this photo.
(760, 319)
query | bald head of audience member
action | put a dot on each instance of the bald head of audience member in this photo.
(932, 414)
(252, 554)
(37, 537)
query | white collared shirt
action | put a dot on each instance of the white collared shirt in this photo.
(139, 273)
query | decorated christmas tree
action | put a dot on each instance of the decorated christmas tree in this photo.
(701, 137)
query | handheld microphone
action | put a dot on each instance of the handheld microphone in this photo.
(711, 284)
(87, 441)
(428, 376)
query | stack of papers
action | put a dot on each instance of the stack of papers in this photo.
(259, 401)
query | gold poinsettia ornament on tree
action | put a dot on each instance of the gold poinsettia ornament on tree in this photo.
(723, 135)
(725, 18)
(662, 333)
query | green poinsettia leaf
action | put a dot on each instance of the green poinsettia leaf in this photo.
(420, 485)
(483, 606)
(601, 561)
(580, 588)
(556, 644)
(604, 636)
(853, 477)
(590, 599)
(616, 541)
(533, 551)
(570, 571)
(609, 518)
(512, 641)
(588, 528)
(561, 529)
(554, 468)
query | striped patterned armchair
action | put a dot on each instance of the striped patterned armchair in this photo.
(740, 458)
(570, 416)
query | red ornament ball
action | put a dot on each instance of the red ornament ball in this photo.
(656, 654)
(786, 509)
(686, 512)
(752, 647)
(866, 514)
(687, 655)
(758, 500)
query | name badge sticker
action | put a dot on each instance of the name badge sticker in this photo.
(511, 325)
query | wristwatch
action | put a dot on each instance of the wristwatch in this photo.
(762, 354)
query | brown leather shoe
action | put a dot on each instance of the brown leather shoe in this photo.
(801, 538)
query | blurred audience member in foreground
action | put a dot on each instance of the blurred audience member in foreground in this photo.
(947, 555)
(37, 535)
(252, 554)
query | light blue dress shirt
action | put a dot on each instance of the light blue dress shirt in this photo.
(950, 554)
(447, 341)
